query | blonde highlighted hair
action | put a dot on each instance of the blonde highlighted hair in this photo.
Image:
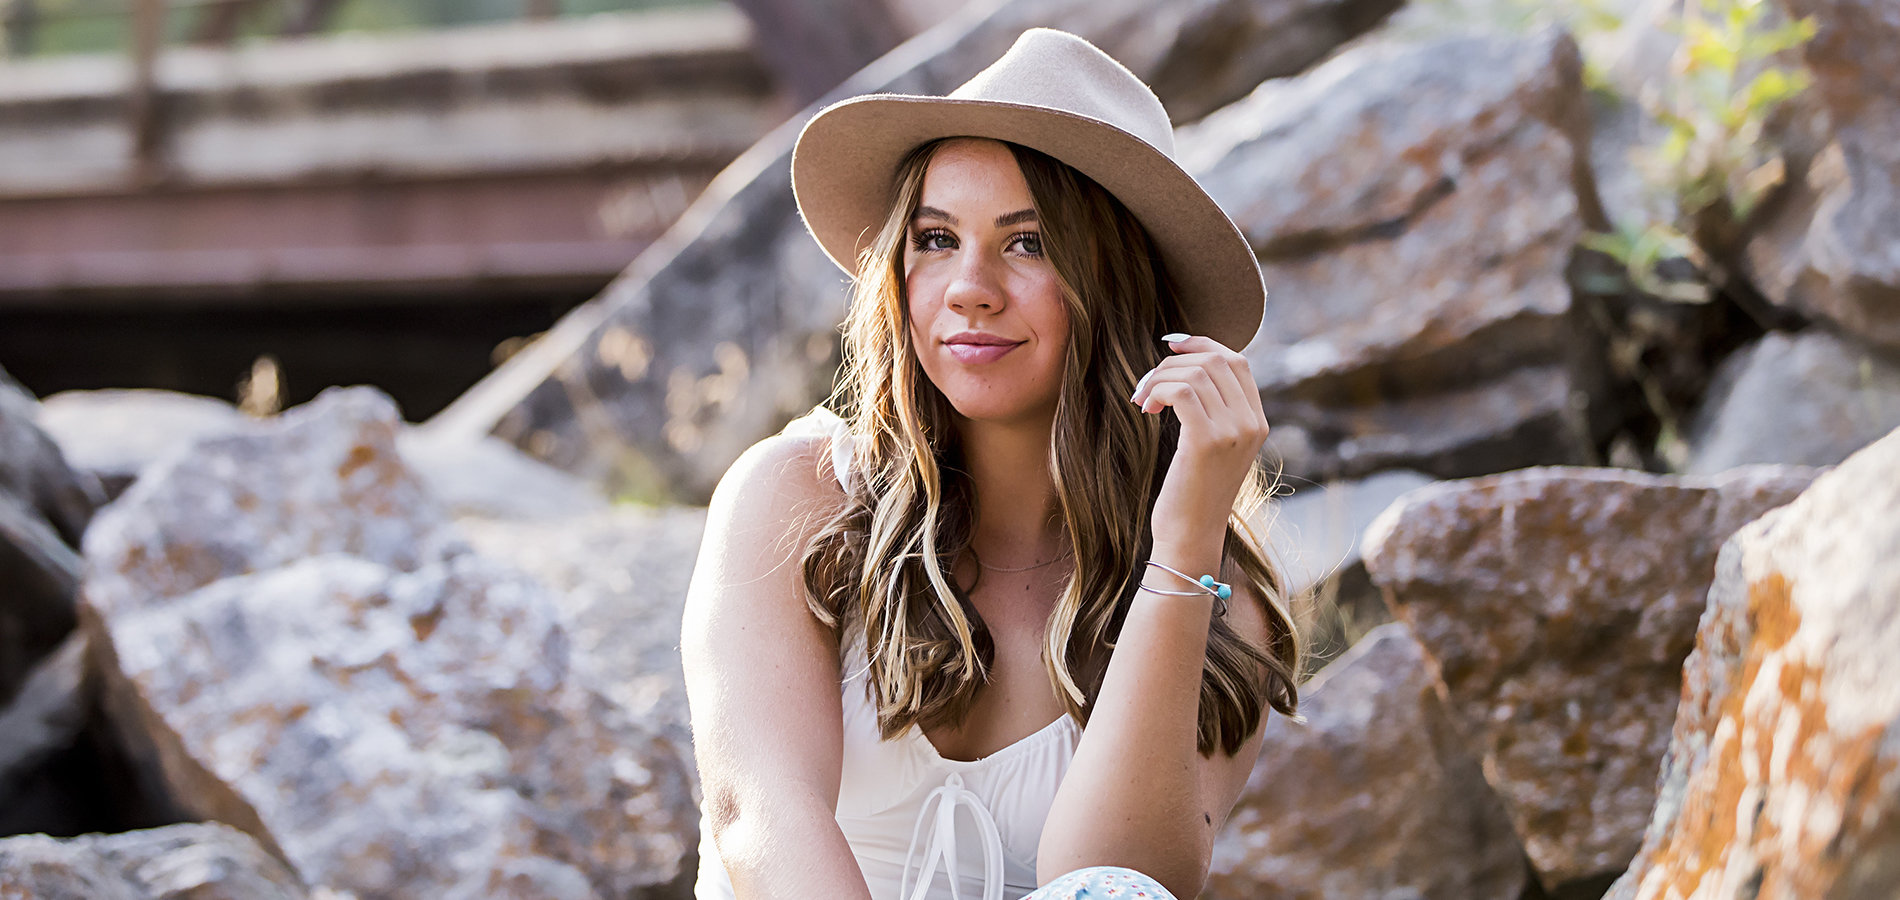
(882, 566)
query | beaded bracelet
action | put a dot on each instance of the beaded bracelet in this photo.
(1206, 583)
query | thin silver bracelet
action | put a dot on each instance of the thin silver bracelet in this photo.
(1204, 585)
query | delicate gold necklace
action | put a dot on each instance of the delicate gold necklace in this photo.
(979, 561)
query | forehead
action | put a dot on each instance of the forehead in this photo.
(975, 176)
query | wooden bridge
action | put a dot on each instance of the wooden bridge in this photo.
(540, 155)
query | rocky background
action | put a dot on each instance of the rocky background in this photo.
(1596, 542)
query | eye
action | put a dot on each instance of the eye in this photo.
(1029, 242)
(932, 239)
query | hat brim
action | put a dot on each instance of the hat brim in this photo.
(846, 159)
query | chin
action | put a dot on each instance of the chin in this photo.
(1001, 409)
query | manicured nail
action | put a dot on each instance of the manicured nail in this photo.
(1174, 338)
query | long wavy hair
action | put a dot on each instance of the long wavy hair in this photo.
(881, 567)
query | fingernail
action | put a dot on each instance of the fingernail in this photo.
(1174, 338)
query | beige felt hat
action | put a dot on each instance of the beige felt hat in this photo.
(1056, 93)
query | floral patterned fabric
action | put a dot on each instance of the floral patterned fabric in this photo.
(1102, 882)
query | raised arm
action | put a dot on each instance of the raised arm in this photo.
(1138, 793)
(762, 682)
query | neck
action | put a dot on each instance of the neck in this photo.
(1018, 519)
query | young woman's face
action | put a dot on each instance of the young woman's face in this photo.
(986, 309)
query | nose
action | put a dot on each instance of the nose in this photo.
(977, 286)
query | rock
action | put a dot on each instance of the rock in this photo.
(1558, 605)
(47, 713)
(44, 508)
(322, 479)
(292, 639)
(34, 471)
(1314, 534)
(620, 578)
(1414, 207)
(115, 433)
(1384, 801)
(487, 476)
(38, 576)
(179, 862)
(1808, 399)
(1832, 248)
(1781, 777)
(727, 327)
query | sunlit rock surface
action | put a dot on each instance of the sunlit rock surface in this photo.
(1374, 796)
(178, 862)
(1557, 605)
(1831, 249)
(114, 434)
(1808, 398)
(1783, 773)
(619, 577)
(1414, 207)
(293, 640)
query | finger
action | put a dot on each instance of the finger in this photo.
(1248, 397)
(1193, 343)
(1183, 399)
(1197, 376)
(1230, 391)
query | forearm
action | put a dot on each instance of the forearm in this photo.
(786, 846)
(1132, 795)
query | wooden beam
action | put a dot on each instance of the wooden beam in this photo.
(148, 33)
(20, 22)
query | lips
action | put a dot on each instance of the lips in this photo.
(976, 347)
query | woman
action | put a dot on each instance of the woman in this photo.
(1031, 521)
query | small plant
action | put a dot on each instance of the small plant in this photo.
(1724, 87)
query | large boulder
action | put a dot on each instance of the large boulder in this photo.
(1558, 605)
(293, 640)
(1809, 398)
(620, 579)
(1374, 796)
(727, 327)
(1783, 773)
(1831, 249)
(179, 862)
(1414, 207)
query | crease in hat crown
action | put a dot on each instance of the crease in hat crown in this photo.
(1093, 85)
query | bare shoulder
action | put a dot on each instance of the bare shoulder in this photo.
(769, 504)
(781, 475)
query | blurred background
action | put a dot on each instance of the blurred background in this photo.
(356, 191)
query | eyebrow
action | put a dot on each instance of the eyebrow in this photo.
(1003, 221)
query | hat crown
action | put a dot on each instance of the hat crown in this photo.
(1058, 70)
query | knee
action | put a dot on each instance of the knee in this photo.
(1095, 882)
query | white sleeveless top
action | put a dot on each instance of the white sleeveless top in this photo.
(919, 823)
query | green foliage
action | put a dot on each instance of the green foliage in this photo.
(1725, 85)
(1640, 249)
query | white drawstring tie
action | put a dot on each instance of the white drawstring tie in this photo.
(940, 810)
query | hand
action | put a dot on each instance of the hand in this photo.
(1211, 390)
